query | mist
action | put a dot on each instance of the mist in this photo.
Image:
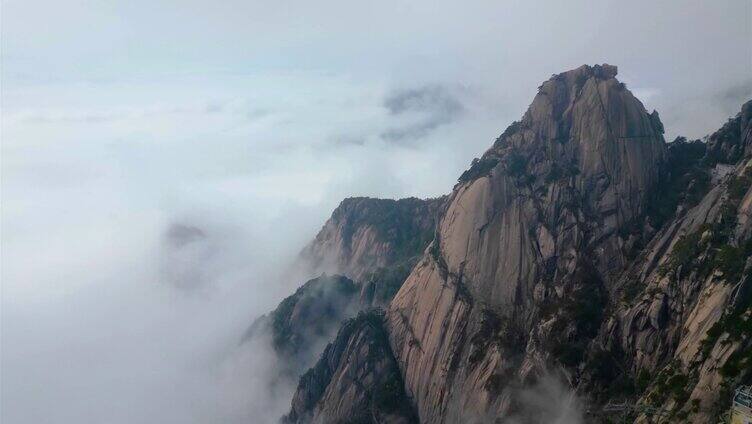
(548, 400)
(163, 164)
(139, 246)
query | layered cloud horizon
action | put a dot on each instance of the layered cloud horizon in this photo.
(245, 124)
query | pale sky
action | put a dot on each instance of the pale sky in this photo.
(252, 120)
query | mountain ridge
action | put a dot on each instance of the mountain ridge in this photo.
(581, 245)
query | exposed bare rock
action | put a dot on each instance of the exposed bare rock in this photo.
(541, 212)
(697, 269)
(732, 142)
(374, 240)
(306, 321)
(364, 235)
(580, 242)
(356, 380)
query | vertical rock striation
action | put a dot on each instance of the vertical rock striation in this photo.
(365, 235)
(356, 380)
(580, 245)
(533, 236)
(684, 321)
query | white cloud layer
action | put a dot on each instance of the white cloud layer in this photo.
(251, 121)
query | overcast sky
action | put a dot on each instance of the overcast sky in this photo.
(250, 121)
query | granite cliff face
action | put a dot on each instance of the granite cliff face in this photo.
(374, 241)
(532, 237)
(303, 323)
(684, 319)
(356, 380)
(365, 235)
(580, 245)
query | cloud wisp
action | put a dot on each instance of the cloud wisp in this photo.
(434, 105)
(162, 164)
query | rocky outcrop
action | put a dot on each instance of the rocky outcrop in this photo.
(533, 239)
(377, 241)
(689, 326)
(731, 143)
(356, 380)
(580, 246)
(306, 321)
(365, 235)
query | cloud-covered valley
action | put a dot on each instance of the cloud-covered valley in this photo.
(162, 165)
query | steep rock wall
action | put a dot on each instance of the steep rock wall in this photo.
(355, 380)
(364, 235)
(536, 220)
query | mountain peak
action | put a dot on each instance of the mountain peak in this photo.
(602, 71)
(549, 256)
(538, 220)
(576, 78)
(586, 131)
(365, 234)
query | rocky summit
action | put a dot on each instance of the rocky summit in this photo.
(580, 248)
